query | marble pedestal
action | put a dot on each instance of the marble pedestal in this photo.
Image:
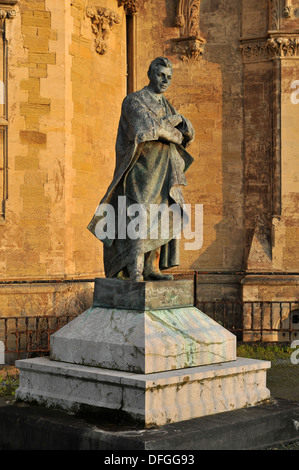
(150, 399)
(143, 349)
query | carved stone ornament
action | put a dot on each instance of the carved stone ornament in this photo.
(102, 22)
(274, 11)
(271, 48)
(189, 48)
(279, 9)
(7, 14)
(179, 20)
(283, 47)
(287, 9)
(130, 6)
(190, 45)
(187, 16)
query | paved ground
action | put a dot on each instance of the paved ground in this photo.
(283, 382)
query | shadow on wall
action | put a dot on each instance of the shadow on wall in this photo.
(220, 24)
(212, 92)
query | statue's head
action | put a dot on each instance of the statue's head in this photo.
(160, 74)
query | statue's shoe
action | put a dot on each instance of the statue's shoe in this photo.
(156, 276)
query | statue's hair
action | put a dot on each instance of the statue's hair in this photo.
(159, 61)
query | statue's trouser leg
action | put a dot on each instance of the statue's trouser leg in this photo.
(146, 267)
(135, 268)
(151, 261)
(151, 266)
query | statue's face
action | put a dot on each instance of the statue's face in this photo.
(160, 78)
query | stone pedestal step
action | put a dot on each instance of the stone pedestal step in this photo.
(150, 399)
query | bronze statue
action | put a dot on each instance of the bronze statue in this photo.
(151, 161)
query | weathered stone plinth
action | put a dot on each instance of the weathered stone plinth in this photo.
(158, 362)
(139, 337)
(143, 342)
(154, 295)
(150, 399)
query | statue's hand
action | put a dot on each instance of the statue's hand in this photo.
(169, 133)
(174, 120)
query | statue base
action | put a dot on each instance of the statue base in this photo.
(144, 350)
(143, 327)
(149, 399)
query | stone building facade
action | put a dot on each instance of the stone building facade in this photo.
(66, 67)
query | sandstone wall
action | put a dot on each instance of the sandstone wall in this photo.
(236, 81)
(270, 57)
(64, 105)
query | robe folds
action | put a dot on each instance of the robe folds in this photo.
(148, 171)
